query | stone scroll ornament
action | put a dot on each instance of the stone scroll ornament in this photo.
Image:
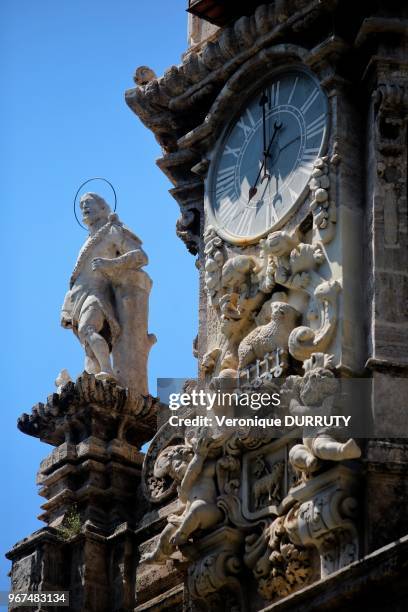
(106, 305)
(254, 292)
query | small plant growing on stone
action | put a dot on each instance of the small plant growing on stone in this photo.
(71, 524)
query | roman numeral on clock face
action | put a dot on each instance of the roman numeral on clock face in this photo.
(274, 100)
(306, 105)
(293, 90)
(316, 126)
(225, 182)
(245, 222)
(231, 151)
(246, 123)
(271, 216)
(226, 212)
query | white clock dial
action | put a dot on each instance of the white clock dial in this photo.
(265, 158)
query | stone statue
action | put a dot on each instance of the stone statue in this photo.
(195, 474)
(107, 302)
(314, 393)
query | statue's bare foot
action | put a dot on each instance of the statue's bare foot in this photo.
(350, 450)
(107, 376)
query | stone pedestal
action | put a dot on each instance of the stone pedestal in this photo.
(91, 483)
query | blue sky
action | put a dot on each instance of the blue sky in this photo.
(65, 67)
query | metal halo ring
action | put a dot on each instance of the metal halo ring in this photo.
(95, 178)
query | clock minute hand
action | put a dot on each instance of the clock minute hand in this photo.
(263, 101)
(252, 191)
(289, 143)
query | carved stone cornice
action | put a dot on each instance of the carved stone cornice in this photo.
(71, 413)
(375, 26)
(162, 103)
(187, 106)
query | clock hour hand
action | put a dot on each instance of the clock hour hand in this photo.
(253, 190)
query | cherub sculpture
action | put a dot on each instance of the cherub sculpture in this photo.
(313, 394)
(188, 464)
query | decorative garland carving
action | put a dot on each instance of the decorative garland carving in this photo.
(214, 261)
(321, 205)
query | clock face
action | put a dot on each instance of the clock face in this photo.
(265, 158)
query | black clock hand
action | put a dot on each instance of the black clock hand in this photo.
(284, 147)
(262, 102)
(288, 143)
(277, 126)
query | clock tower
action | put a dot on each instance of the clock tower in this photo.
(283, 132)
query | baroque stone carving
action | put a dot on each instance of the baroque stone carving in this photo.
(214, 260)
(267, 483)
(252, 318)
(305, 340)
(209, 360)
(107, 303)
(62, 379)
(321, 205)
(312, 394)
(266, 478)
(268, 338)
(65, 414)
(284, 267)
(144, 75)
(161, 105)
(324, 518)
(213, 573)
(187, 464)
(278, 566)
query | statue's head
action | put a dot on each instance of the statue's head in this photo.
(317, 385)
(94, 208)
(173, 461)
